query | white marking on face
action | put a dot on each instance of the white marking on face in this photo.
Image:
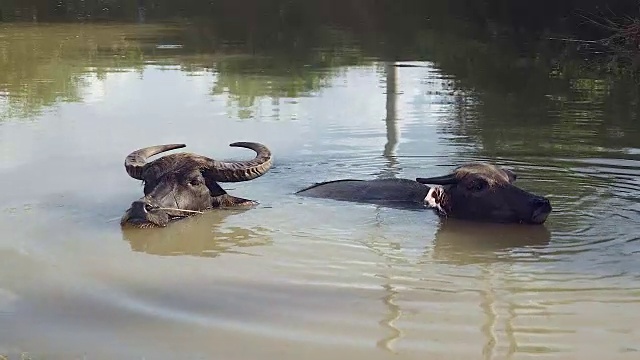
(435, 193)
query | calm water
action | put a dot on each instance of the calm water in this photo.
(299, 277)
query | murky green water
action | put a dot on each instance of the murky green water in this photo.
(299, 277)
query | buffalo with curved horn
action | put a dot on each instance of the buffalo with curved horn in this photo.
(473, 191)
(182, 184)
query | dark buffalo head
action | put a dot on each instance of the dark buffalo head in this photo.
(183, 184)
(485, 192)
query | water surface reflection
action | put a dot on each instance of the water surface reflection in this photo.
(463, 242)
(204, 235)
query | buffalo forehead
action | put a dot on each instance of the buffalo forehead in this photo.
(177, 164)
(489, 172)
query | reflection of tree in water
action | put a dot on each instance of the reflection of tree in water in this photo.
(46, 64)
(41, 66)
(532, 102)
(266, 52)
(247, 79)
(204, 235)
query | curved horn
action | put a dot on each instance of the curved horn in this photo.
(134, 162)
(243, 170)
(439, 180)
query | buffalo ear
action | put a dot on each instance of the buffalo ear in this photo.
(439, 180)
(209, 179)
(512, 175)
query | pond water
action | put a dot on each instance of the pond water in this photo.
(296, 276)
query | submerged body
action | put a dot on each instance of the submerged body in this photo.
(474, 191)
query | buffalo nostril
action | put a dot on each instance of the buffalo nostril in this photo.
(540, 209)
(141, 208)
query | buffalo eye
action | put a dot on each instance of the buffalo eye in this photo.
(477, 185)
(195, 182)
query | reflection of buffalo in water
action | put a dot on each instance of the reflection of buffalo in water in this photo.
(182, 184)
(203, 235)
(461, 241)
(474, 191)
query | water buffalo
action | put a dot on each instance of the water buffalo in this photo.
(473, 191)
(182, 184)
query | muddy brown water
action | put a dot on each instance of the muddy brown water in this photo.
(298, 277)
